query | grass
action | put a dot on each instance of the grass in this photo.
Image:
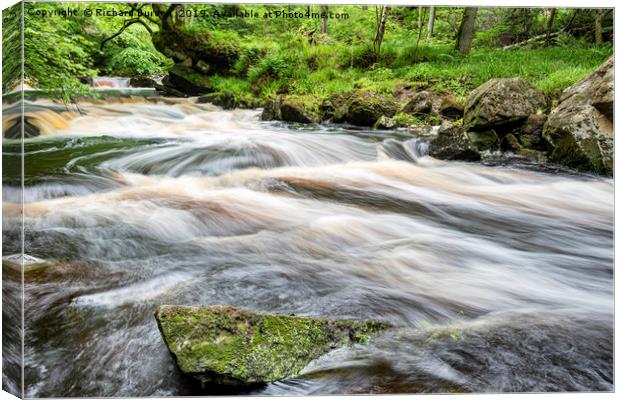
(329, 68)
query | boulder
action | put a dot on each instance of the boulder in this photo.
(453, 143)
(420, 103)
(187, 81)
(502, 104)
(450, 108)
(225, 100)
(364, 108)
(385, 123)
(24, 263)
(533, 125)
(530, 134)
(229, 346)
(510, 143)
(580, 129)
(304, 109)
(271, 110)
(486, 140)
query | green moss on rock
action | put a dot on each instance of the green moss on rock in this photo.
(364, 108)
(304, 109)
(226, 345)
(188, 81)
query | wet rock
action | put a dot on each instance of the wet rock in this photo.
(453, 143)
(226, 345)
(450, 108)
(327, 110)
(225, 100)
(364, 108)
(420, 103)
(486, 140)
(579, 130)
(144, 82)
(510, 143)
(271, 110)
(530, 134)
(502, 104)
(25, 262)
(385, 123)
(532, 155)
(534, 125)
(188, 81)
(303, 109)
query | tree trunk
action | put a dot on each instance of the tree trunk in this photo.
(324, 9)
(550, 21)
(421, 16)
(431, 24)
(466, 30)
(598, 27)
(380, 30)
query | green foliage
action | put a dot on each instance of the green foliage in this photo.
(273, 56)
(132, 61)
(11, 57)
(56, 56)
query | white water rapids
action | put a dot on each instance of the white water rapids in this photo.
(500, 278)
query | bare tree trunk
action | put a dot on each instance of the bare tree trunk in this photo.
(324, 10)
(550, 21)
(431, 24)
(421, 11)
(380, 30)
(598, 27)
(466, 30)
(420, 18)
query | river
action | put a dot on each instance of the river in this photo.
(499, 277)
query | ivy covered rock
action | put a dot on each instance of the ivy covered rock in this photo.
(502, 104)
(230, 346)
(580, 129)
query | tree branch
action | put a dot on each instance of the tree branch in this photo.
(127, 24)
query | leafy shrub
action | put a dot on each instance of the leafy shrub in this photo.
(135, 61)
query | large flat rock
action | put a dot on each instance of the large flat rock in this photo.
(226, 345)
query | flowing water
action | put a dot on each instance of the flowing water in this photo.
(499, 278)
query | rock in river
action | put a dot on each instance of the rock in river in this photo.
(225, 345)
(501, 104)
(580, 129)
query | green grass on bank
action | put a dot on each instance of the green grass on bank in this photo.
(323, 70)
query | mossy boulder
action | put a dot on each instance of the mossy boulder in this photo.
(502, 104)
(188, 81)
(420, 103)
(202, 50)
(453, 143)
(304, 109)
(230, 346)
(511, 143)
(271, 109)
(385, 123)
(486, 140)
(364, 108)
(450, 108)
(579, 130)
(225, 100)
